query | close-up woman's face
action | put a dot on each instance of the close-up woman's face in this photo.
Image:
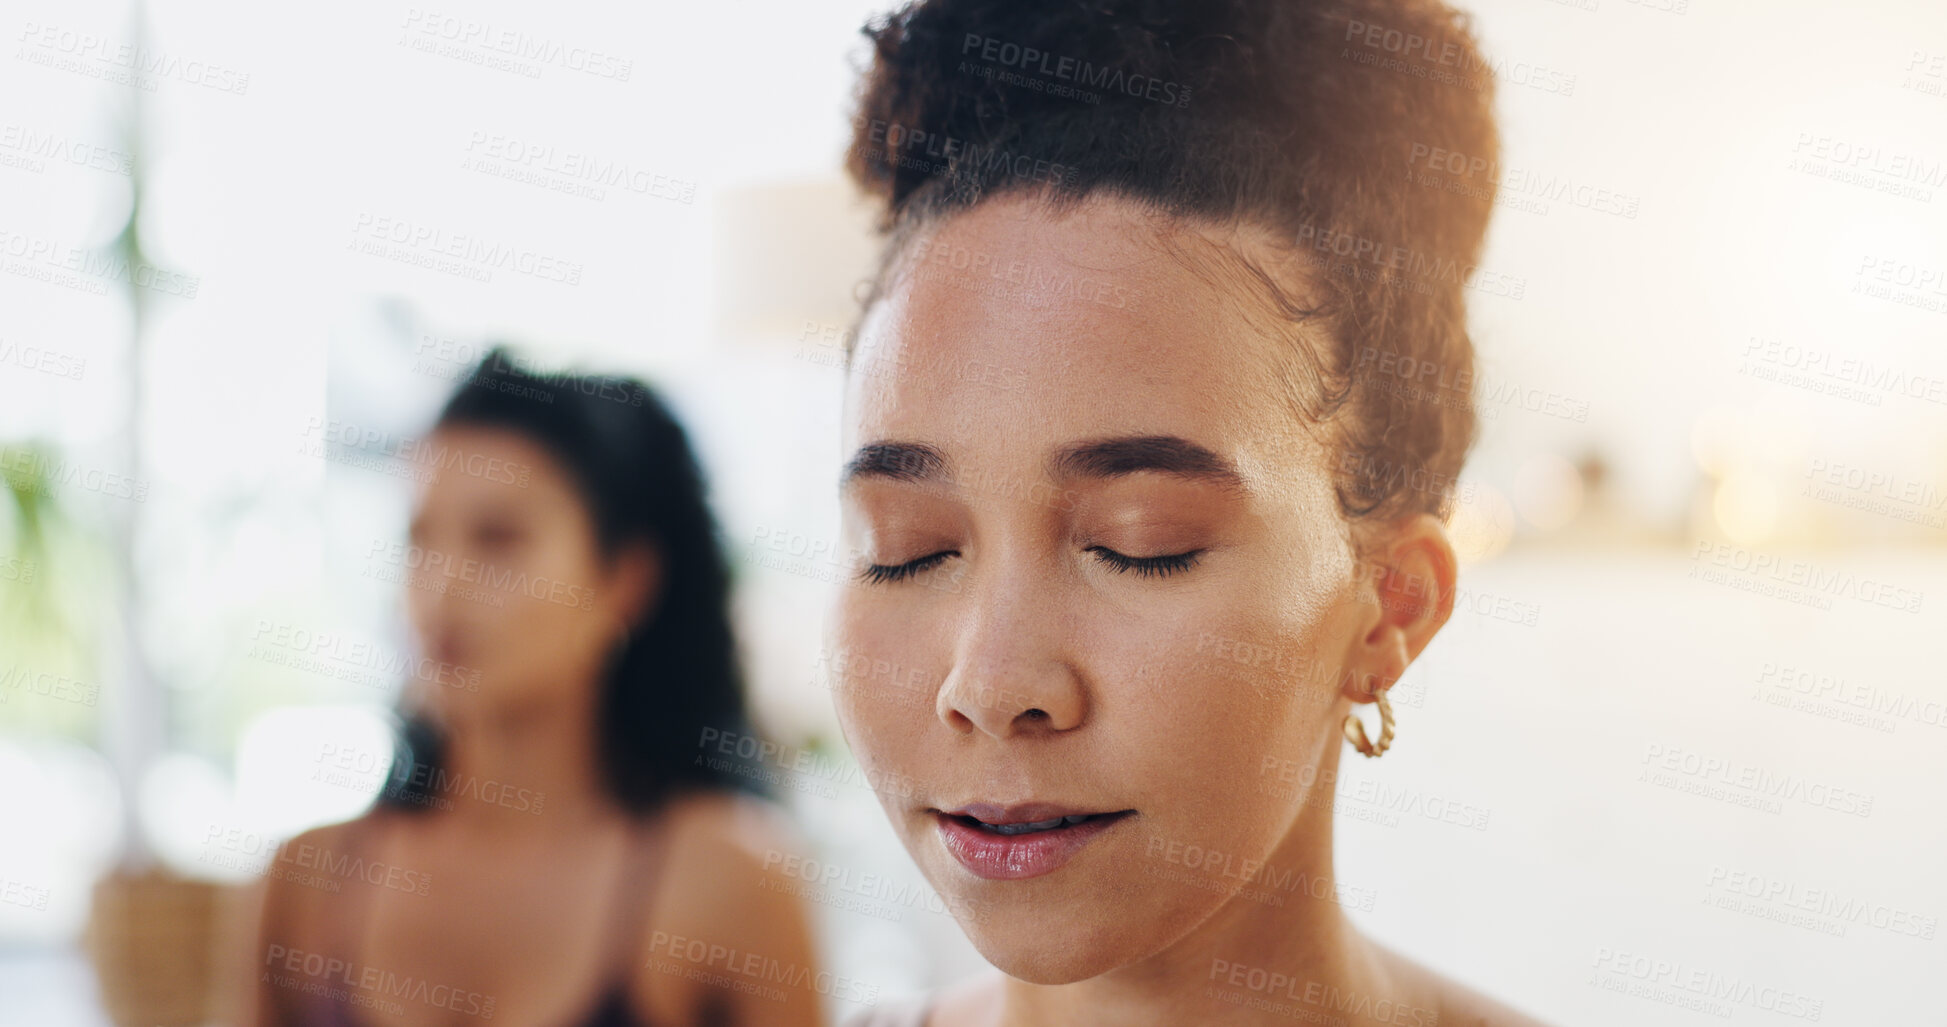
(1100, 570)
(507, 577)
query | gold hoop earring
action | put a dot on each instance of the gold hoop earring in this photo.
(1355, 729)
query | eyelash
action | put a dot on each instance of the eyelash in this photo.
(883, 574)
(1148, 566)
(1144, 566)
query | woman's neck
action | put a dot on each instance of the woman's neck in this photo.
(511, 769)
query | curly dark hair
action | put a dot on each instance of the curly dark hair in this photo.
(1310, 120)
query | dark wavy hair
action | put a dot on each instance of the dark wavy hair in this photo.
(678, 675)
(1329, 123)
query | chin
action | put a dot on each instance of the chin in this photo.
(1078, 922)
(1043, 945)
(1026, 951)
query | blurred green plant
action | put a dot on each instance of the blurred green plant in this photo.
(33, 515)
(45, 560)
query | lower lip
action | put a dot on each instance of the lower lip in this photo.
(1012, 857)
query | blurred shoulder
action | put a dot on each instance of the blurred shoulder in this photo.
(1465, 1007)
(1452, 1003)
(727, 851)
(904, 1011)
(336, 837)
(728, 825)
(336, 841)
(287, 880)
(725, 887)
(972, 1002)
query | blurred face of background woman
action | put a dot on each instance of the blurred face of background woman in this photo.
(540, 648)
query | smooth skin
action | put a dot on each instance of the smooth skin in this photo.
(521, 905)
(1064, 668)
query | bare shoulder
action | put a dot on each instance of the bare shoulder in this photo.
(329, 836)
(299, 907)
(729, 837)
(716, 815)
(1454, 1004)
(733, 865)
(726, 906)
(973, 1002)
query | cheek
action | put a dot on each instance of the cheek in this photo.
(550, 607)
(544, 629)
(882, 683)
(1205, 724)
(421, 610)
(1221, 666)
(1202, 705)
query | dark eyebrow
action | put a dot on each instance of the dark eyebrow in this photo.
(897, 461)
(1165, 454)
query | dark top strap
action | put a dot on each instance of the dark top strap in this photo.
(641, 869)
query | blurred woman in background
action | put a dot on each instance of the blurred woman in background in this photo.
(565, 839)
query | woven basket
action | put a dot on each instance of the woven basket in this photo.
(153, 939)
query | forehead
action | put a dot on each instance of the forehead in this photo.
(471, 464)
(1014, 325)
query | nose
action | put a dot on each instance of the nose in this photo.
(1013, 671)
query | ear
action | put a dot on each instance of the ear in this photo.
(1408, 578)
(635, 578)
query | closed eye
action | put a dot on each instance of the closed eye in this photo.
(1147, 566)
(882, 574)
